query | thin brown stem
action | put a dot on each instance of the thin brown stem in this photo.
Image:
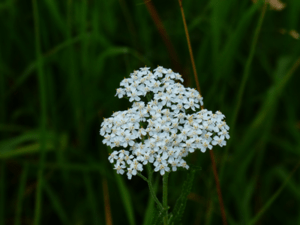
(190, 47)
(218, 187)
(198, 88)
(164, 35)
(108, 218)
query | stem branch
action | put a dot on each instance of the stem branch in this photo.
(165, 197)
(149, 180)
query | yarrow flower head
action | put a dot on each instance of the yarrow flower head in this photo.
(164, 124)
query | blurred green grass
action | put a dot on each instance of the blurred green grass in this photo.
(60, 63)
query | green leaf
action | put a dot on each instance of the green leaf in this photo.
(180, 204)
(158, 216)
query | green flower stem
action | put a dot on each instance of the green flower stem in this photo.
(143, 177)
(165, 196)
(154, 196)
(149, 181)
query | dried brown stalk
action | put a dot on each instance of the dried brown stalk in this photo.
(164, 35)
(108, 218)
(198, 88)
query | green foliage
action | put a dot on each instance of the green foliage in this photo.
(126, 199)
(21, 190)
(60, 64)
(56, 204)
(180, 205)
(158, 215)
(151, 209)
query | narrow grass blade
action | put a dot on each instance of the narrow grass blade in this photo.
(26, 150)
(2, 96)
(114, 51)
(273, 198)
(73, 167)
(268, 105)
(125, 195)
(53, 9)
(21, 190)
(12, 128)
(42, 90)
(91, 199)
(292, 185)
(228, 53)
(130, 24)
(2, 192)
(248, 67)
(84, 43)
(243, 83)
(29, 70)
(209, 211)
(30, 136)
(56, 203)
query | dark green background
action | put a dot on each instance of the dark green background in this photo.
(60, 64)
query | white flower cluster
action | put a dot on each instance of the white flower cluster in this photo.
(163, 129)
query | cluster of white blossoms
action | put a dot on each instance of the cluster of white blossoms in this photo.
(164, 124)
